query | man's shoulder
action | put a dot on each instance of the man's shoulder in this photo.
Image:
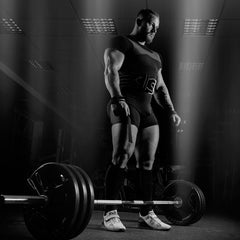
(121, 42)
(122, 38)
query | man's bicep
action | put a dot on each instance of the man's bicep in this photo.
(113, 58)
(160, 81)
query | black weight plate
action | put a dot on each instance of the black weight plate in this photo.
(56, 219)
(202, 208)
(79, 225)
(90, 194)
(192, 202)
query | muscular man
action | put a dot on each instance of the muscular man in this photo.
(132, 77)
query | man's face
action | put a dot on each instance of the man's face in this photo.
(148, 28)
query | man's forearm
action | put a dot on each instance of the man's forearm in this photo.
(163, 98)
(113, 83)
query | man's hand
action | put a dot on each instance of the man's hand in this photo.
(120, 108)
(176, 119)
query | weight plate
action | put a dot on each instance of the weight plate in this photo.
(56, 219)
(90, 194)
(79, 225)
(193, 203)
(202, 208)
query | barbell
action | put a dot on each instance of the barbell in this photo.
(41, 200)
(64, 200)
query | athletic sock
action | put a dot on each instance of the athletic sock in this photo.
(113, 182)
(145, 189)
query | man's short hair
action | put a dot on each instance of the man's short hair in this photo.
(146, 13)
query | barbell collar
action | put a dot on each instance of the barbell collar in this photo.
(25, 200)
(135, 202)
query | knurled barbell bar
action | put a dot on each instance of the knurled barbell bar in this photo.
(41, 200)
(65, 199)
(23, 200)
(136, 202)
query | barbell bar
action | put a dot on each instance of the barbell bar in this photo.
(41, 200)
(24, 200)
(136, 202)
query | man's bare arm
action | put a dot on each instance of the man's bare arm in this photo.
(113, 60)
(162, 97)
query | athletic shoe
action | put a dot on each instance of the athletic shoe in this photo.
(112, 222)
(151, 220)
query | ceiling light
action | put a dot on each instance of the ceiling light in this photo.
(99, 25)
(41, 65)
(191, 66)
(200, 26)
(8, 25)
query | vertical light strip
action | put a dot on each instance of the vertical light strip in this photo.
(90, 115)
(188, 85)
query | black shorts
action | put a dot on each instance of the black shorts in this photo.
(140, 120)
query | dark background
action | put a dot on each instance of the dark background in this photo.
(55, 109)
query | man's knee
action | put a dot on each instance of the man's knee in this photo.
(148, 165)
(122, 156)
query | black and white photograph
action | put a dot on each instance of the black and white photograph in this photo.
(120, 119)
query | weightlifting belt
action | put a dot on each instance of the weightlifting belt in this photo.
(145, 82)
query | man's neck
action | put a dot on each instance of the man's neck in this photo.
(137, 38)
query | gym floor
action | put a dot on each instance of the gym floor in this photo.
(210, 227)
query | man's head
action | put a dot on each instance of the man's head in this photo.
(146, 25)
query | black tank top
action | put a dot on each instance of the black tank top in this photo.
(138, 74)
